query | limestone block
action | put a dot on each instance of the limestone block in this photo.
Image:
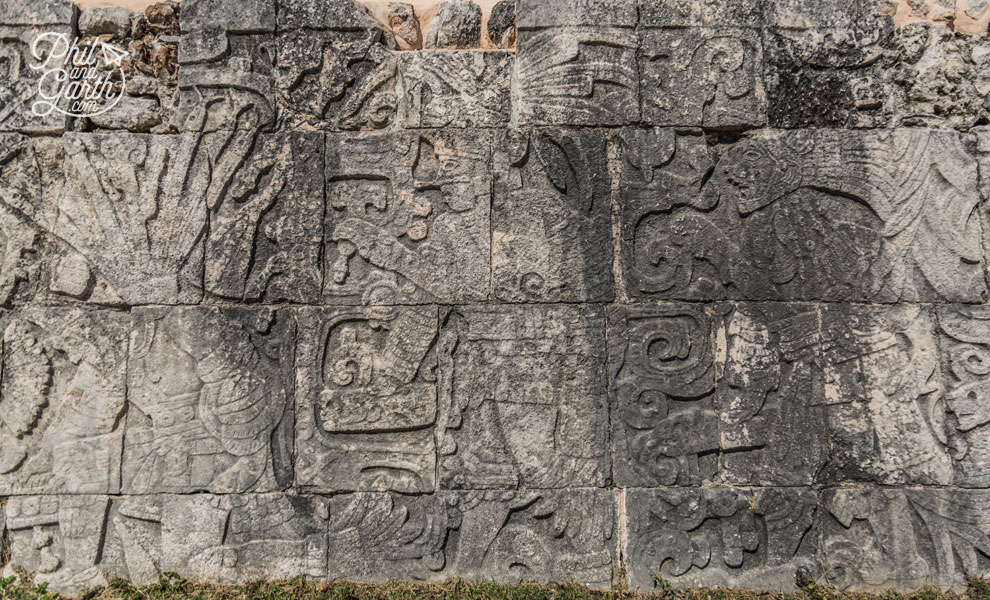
(876, 539)
(711, 77)
(226, 74)
(22, 72)
(517, 409)
(115, 20)
(31, 179)
(408, 217)
(662, 377)
(701, 13)
(983, 157)
(885, 412)
(964, 345)
(132, 218)
(367, 399)
(829, 215)
(552, 228)
(340, 15)
(537, 14)
(502, 24)
(577, 75)
(209, 401)
(757, 539)
(457, 24)
(770, 400)
(37, 12)
(62, 398)
(266, 227)
(404, 25)
(336, 79)
(454, 89)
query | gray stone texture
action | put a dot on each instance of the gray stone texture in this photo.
(551, 223)
(22, 70)
(408, 217)
(630, 291)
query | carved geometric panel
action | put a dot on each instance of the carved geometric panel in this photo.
(407, 217)
(366, 402)
(61, 400)
(770, 400)
(551, 239)
(751, 539)
(812, 215)
(210, 401)
(884, 405)
(454, 89)
(577, 76)
(663, 380)
(516, 411)
(23, 72)
(132, 218)
(335, 79)
(964, 345)
(266, 225)
(881, 538)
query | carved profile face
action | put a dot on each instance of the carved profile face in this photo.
(757, 176)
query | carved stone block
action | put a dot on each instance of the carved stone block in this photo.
(711, 77)
(700, 13)
(552, 229)
(577, 76)
(61, 400)
(808, 215)
(542, 536)
(876, 539)
(367, 399)
(341, 15)
(336, 79)
(226, 74)
(209, 401)
(663, 382)
(23, 74)
(266, 226)
(31, 180)
(964, 344)
(770, 401)
(37, 12)
(515, 410)
(454, 89)
(745, 539)
(408, 217)
(241, 538)
(885, 413)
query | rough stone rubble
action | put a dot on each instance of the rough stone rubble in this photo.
(688, 288)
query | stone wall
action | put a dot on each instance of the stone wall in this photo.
(680, 288)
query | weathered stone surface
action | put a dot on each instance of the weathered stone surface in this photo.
(964, 344)
(340, 15)
(551, 226)
(132, 113)
(115, 20)
(885, 415)
(226, 74)
(751, 539)
(336, 79)
(769, 396)
(366, 403)
(37, 12)
(663, 381)
(22, 72)
(577, 76)
(132, 218)
(807, 215)
(454, 89)
(881, 538)
(537, 14)
(266, 226)
(516, 409)
(31, 179)
(209, 401)
(711, 77)
(457, 24)
(407, 218)
(405, 26)
(502, 24)
(61, 399)
(701, 13)
(983, 158)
